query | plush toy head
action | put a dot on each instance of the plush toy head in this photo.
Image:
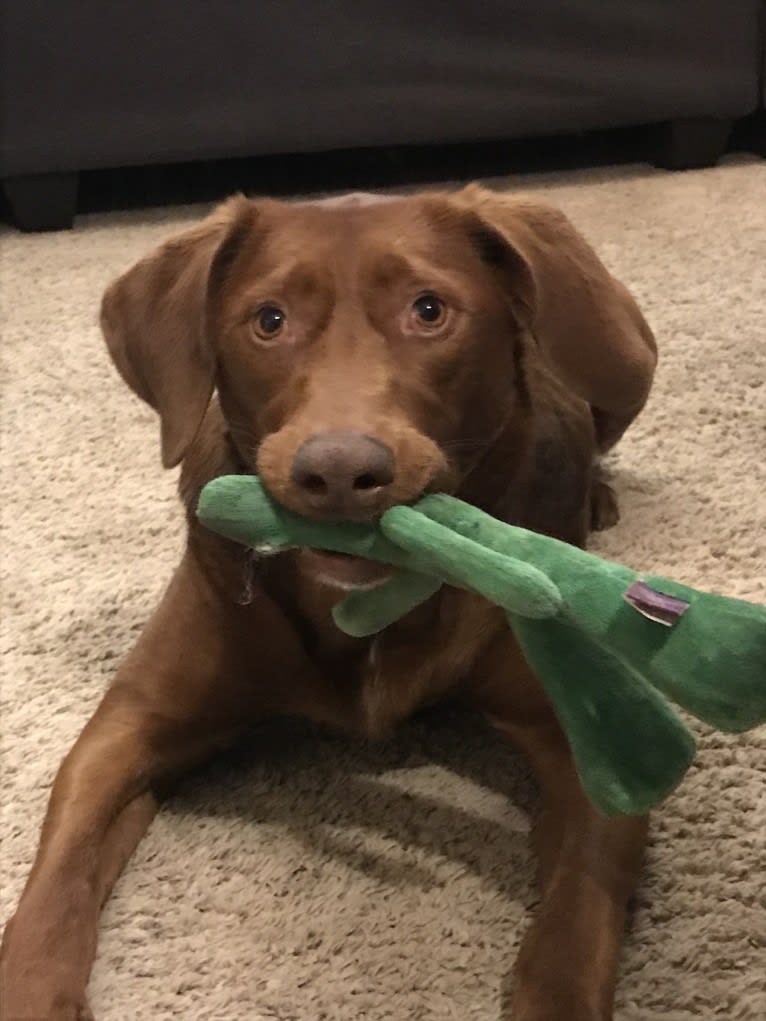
(606, 646)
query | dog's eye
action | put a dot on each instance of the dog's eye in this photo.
(269, 321)
(429, 310)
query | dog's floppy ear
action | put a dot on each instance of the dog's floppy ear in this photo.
(154, 321)
(585, 322)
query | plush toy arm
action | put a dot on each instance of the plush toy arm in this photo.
(364, 613)
(436, 549)
(449, 556)
(629, 747)
(238, 507)
(559, 560)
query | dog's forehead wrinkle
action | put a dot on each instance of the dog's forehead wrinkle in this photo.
(345, 237)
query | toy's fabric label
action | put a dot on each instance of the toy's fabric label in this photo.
(657, 606)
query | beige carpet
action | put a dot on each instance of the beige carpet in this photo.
(310, 878)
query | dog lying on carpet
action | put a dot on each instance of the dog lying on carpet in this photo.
(355, 353)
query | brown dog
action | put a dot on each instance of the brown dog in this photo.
(362, 353)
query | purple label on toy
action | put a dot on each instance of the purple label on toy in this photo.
(656, 606)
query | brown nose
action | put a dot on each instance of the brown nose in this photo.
(343, 474)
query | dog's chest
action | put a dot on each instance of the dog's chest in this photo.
(424, 658)
(427, 655)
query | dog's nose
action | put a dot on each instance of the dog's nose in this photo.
(343, 473)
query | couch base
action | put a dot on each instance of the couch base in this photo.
(41, 202)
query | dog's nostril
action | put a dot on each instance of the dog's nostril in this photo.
(314, 484)
(367, 481)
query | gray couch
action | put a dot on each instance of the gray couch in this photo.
(104, 83)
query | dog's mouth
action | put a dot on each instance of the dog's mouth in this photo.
(344, 571)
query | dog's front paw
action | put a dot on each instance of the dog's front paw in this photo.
(554, 1000)
(34, 989)
(550, 994)
(547, 1008)
(41, 1005)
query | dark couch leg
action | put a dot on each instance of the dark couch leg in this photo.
(42, 201)
(750, 134)
(693, 142)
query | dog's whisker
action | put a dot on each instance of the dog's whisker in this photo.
(245, 434)
(245, 428)
(466, 446)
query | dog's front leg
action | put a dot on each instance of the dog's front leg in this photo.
(97, 813)
(181, 692)
(589, 865)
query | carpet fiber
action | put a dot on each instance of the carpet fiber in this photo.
(308, 877)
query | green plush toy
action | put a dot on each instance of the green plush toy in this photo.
(606, 645)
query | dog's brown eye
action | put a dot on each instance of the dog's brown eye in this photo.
(269, 322)
(429, 310)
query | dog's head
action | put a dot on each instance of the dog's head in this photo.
(364, 351)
